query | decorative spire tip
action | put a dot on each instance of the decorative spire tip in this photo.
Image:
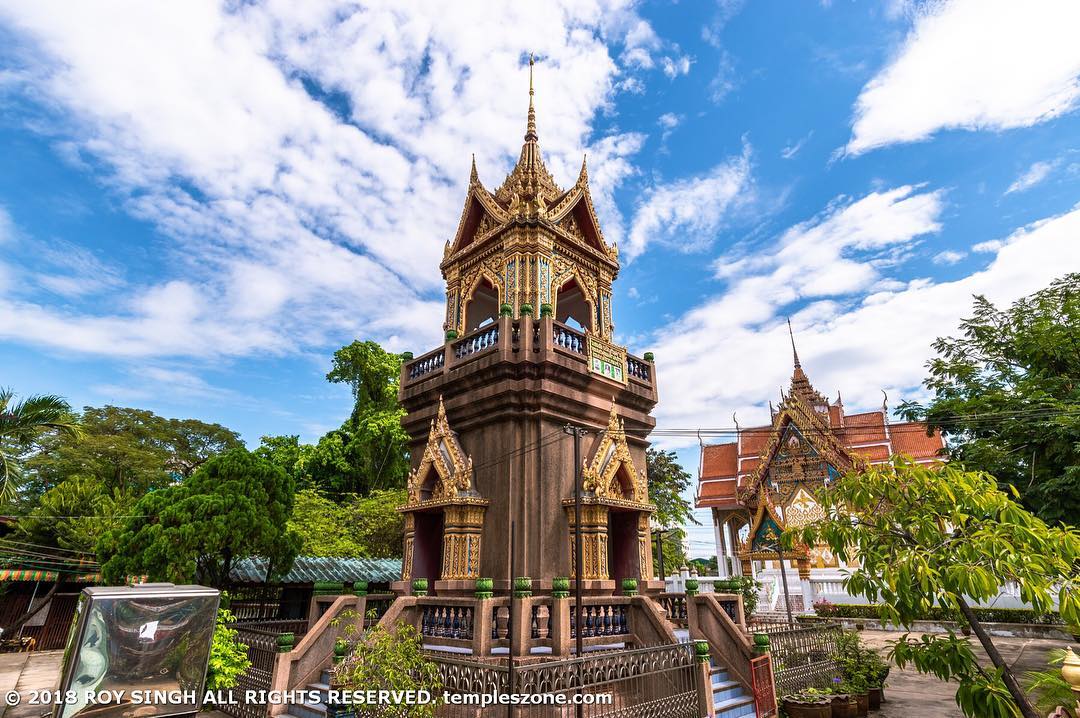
(794, 351)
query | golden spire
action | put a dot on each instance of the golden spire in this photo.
(530, 129)
(794, 351)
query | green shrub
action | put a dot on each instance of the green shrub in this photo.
(385, 660)
(228, 657)
(936, 613)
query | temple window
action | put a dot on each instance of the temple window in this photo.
(483, 306)
(572, 308)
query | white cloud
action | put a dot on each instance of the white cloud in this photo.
(948, 257)
(306, 162)
(688, 213)
(675, 66)
(973, 64)
(1035, 174)
(989, 246)
(793, 149)
(879, 339)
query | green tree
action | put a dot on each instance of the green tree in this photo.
(22, 425)
(1007, 396)
(672, 541)
(705, 566)
(74, 515)
(370, 450)
(942, 536)
(358, 527)
(668, 481)
(235, 505)
(132, 450)
(288, 453)
(323, 527)
(380, 526)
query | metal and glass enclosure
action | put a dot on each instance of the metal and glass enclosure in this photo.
(135, 639)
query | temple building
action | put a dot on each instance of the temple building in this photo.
(528, 350)
(764, 481)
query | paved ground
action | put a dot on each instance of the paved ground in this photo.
(912, 695)
(908, 694)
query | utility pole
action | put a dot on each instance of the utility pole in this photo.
(577, 432)
(783, 577)
(660, 554)
(510, 629)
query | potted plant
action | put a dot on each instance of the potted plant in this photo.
(810, 703)
(877, 670)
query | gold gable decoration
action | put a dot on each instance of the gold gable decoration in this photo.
(453, 469)
(602, 475)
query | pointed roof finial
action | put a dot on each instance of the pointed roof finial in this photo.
(794, 351)
(474, 176)
(839, 399)
(583, 175)
(530, 129)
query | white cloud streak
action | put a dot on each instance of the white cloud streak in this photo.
(687, 214)
(1034, 175)
(976, 65)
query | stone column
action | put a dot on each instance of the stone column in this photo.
(594, 540)
(461, 542)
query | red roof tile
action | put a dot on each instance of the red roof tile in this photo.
(720, 494)
(754, 440)
(719, 460)
(911, 439)
(877, 452)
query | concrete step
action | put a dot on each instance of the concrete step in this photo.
(308, 710)
(735, 707)
(718, 675)
(727, 690)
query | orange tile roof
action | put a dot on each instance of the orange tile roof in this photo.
(754, 440)
(910, 438)
(719, 460)
(877, 452)
(720, 494)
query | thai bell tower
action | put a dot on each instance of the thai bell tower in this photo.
(528, 350)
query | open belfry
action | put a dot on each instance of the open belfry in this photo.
(528, 351)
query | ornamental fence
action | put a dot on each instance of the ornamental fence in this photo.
(804, 656)
(655, 682)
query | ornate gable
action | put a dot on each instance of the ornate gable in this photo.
(445, 473)
(801, 451)
(611, 475)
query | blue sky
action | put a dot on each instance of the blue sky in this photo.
(200, 202)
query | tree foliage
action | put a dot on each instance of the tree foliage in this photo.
(130, 450)
(370, 450)
(1007, 396)
(74, 515)
(668, 480)
(357, 527)
(235, 505)
(942, 536)
(22, 426)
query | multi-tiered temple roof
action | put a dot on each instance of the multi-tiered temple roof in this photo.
(732, 473)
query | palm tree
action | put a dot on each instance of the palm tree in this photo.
(21, 423)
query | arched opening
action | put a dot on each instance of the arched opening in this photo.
(572, 308)
(623, 545)
(483, 306)
(428, 536)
